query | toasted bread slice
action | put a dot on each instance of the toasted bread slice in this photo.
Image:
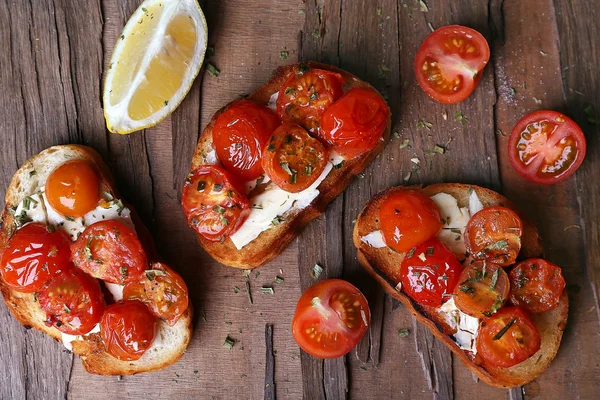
(383, 264)
(271, 242)
(29, 179)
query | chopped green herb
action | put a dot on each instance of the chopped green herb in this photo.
(267, 290)
(67, 309)
(283, 54)
(338, 166)
(290, 90)
(286, 167)
(439, 149)
(467, 289)
(494, 278)
(316, 33)
(248, 292)
(430, 250)
(404, 144)
(403, 332)
(314, 96)
(499, 335)
(219, 209)
(32, 173)
(87, 250)
(317, 271)
(423, 6)
(236, 289)
(166, 103)
(217, 187)
(151, 274)
(210, 52)
(124, 272)
(499, 245)
(278, 280)
(411, 252)
(460, 117)
(593, 117)
(229, 343)
(50, 228)
(212, 70)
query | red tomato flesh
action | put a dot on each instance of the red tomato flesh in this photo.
(429, 273)
(73, 188)
(73, 302)
(482, 289)
(507, 338)
(536, 285)
(355, 123)
(450, 62)
(546, 147)
(408, 218)
(331, 317)
(213, 203)
(35, 254)
(239, 135)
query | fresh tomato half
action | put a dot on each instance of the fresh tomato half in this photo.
(73, 188)
(546, 147)
(162, 290)
(111, 251)
(507, 338)
(307, 94)
(355, 123)
(450, 62)
(213, 203)
(407, 219)
(35, 254)
(482, 289)
(127, 330)
(292, 159)
(429, 272)
(536, 285)
(331, 317)
(73, 302)
(239, 135)
(494, 234)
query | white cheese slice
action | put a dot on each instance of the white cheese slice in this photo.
(115, 290)
(250, 185)
(455, 220)
(115, 211)
(32, 209)
(72, 226)
(335, 158)
(465, 325)
(374, 239)
(475, 204)
(68, 339)
(271, 204)
(272, 104)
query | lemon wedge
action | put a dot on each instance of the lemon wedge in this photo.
(154, 63)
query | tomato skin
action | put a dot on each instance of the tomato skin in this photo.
(73, 188)
(517, 344)
(73, 302)
(127, 330)
(239, 135)
(305, 158)
(307, 94)
(542, 135)
(449, 73)
(162, 290)
(214, 203)
(494, 234)
(33, 257)
(478, 293)
(429, 273)
(355, 123)
(330, 319)
(408, 218)
(109, 250)
(536, 285)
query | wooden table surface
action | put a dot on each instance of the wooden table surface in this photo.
(545, 54)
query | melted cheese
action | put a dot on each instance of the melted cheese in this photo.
(115, 290)
(272, 104)
(465, 325)
(374, 239)
(35, 210)
(67, 339)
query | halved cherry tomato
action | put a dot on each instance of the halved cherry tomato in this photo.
(73, 188)
(507, 338)
(110, 251)
(213, 203)
(494, 234)
(73, 302)
(127, 330)
(292, 159)
(536, 285)
(450, 62)
(162, 290)
(546, 147)
(482, 289)
(355, 123)
(408, 218)
(429, 272)
(35, 254)
(239, 135)
(331, 317)
(307, 94)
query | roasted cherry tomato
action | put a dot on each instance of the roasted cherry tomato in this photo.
(73, 189)
(429, 272)
(355, 123)
(307, 94)
(494, 234)
(110, 251)
(408, 218)
(482, 289)
(546, 147)
(536, 285)
(507, 338)
(292, 159)
(35, 254)
(213, 202)
(239, 135)
(127, 330)
(73, 302)
(331, 317)
(450, 62)
(162, 290)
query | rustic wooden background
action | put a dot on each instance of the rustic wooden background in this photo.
(544, 55)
